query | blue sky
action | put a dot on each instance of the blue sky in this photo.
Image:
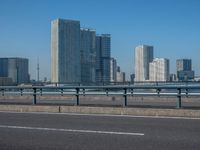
(171, 26)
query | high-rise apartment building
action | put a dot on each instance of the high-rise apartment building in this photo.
(184, 69)
(65, 51)
(143, 56)
(159, 70)
(15, 68)
(113, 70)
(103, 48)
(88, 55)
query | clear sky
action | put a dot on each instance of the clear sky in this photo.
(171, 26)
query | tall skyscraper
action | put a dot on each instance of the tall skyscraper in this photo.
(143, 56)
(15, 68)
(184, 69)
(103, 46)
(159, 69)
(113, 70)
(65, 51)
(88, 55)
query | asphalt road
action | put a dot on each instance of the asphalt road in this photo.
(42, 131)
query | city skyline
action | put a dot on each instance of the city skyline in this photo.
(175, 34)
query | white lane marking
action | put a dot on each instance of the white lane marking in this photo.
(103, 115)
(72, 130)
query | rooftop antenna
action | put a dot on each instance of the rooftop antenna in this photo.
(38, 70)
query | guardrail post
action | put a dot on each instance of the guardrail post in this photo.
(77, 96)
(125, 97)
(34, 96)
(158, 92)
(61, 92)
(41, 92)
(131, 92)
(83, 92)
(2, 92)
(21, 92)
(106, 92)
(186, 92)
(178, 104)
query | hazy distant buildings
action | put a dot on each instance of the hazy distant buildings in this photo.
(118, 69)
(113, 70)
(103, 50)
(132, 77)
(159, 70)
(16, 69)
(121, 76)
(88, 55)
(173, 77)
(65, 51)
(143, 56)
(184, 69)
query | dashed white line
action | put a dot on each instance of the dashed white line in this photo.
(72, 130)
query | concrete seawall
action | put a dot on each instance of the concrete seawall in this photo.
(103, 110)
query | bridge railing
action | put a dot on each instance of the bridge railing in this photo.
(178, 91)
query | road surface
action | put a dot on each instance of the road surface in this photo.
(48, 131)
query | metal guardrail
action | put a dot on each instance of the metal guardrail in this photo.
(117, 90)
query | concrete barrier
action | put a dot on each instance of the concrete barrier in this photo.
(29, 108)
(132, 111)
(103, 110)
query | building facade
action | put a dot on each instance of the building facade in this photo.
(88, 55)
(121, 77)
(113, 70)
(184, 64)
(65, 51)
(103, 50)
(143, 56)
(184, 69)
(159, 70)
(16, 69)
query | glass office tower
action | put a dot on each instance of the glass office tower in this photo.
(103, 48)
(15, 68)
(65, 51)
(88, 55)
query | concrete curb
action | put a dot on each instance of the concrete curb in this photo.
(132, 111)
(103, 110)
(29, 108)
